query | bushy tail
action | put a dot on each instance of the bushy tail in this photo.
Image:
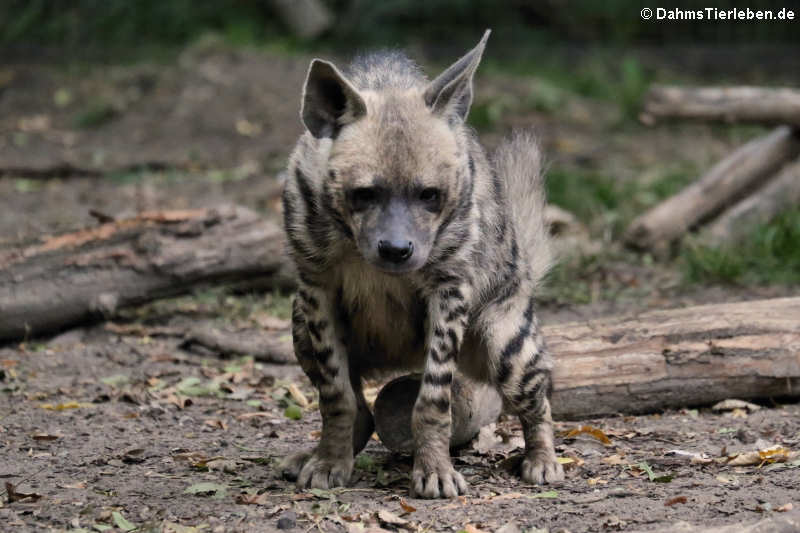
(518, 161)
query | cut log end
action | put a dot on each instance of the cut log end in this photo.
(473, 405)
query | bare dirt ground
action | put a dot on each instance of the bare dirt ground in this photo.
(123, 428)
(98, 427)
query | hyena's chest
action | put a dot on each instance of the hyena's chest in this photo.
(385, 319)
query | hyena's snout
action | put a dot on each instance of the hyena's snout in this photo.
(396, 251)
(396, 242)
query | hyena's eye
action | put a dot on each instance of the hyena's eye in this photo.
(431, 197)
(362, 198)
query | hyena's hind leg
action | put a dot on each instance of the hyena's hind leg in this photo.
(347, 423)
(520, 367)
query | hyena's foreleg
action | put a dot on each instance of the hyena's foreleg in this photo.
(433, 475)
(521, 369)
(324, 359)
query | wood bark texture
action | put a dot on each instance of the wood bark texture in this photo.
(70, 278)
(729, 104)
(676, 358)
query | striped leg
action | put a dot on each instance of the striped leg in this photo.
(433, 475)
(521, 369)
(324, 360)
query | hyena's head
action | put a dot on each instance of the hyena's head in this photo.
(398, 162)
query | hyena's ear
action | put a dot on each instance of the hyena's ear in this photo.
(329, 100)
(450, 94)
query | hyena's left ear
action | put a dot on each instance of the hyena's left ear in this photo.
(450, 94)
(329, 100)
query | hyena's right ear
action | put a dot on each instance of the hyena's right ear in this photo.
(329, 100)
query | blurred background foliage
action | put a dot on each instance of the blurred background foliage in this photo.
(103, 27)
(567, 52)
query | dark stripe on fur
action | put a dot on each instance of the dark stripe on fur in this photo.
(307, 280)
(442, 278)
(308, 299)
(451, 334)
(435, 422)
(316, 327)
(445, 378)
(442, 404)
(313, 221)
(515, 344)
(336, 413)
(464, 206)
(530, 374)
(440, 358)
(335, 214)
(458, 312)
(323, 355)
(452, 293)
(330, 397)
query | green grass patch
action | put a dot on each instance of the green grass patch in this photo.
(769, 254)
(94, 115)
(602, 75)
(607, 204)
(570, 280)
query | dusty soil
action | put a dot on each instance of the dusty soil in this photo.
(95, 423)
(102, 429)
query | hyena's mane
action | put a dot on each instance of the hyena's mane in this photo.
(385, 69)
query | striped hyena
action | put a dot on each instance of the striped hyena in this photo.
(414, 250)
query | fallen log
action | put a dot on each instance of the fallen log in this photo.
(780, 194)
(729, 104)
(724, 184)
(70, 278)
(657, 360)
(676, 358)
(275, 347)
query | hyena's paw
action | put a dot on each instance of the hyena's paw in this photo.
(312, 471)
(439, 481)
(540, 469)
(291, 466)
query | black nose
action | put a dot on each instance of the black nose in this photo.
(395, 251)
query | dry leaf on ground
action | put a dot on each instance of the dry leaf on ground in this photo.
(589, 430)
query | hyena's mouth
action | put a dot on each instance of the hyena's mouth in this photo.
(395, 269)
(389, 267)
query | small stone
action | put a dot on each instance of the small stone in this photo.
(732, 404)
(287, 520)
(746, 437)
(511, 527)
